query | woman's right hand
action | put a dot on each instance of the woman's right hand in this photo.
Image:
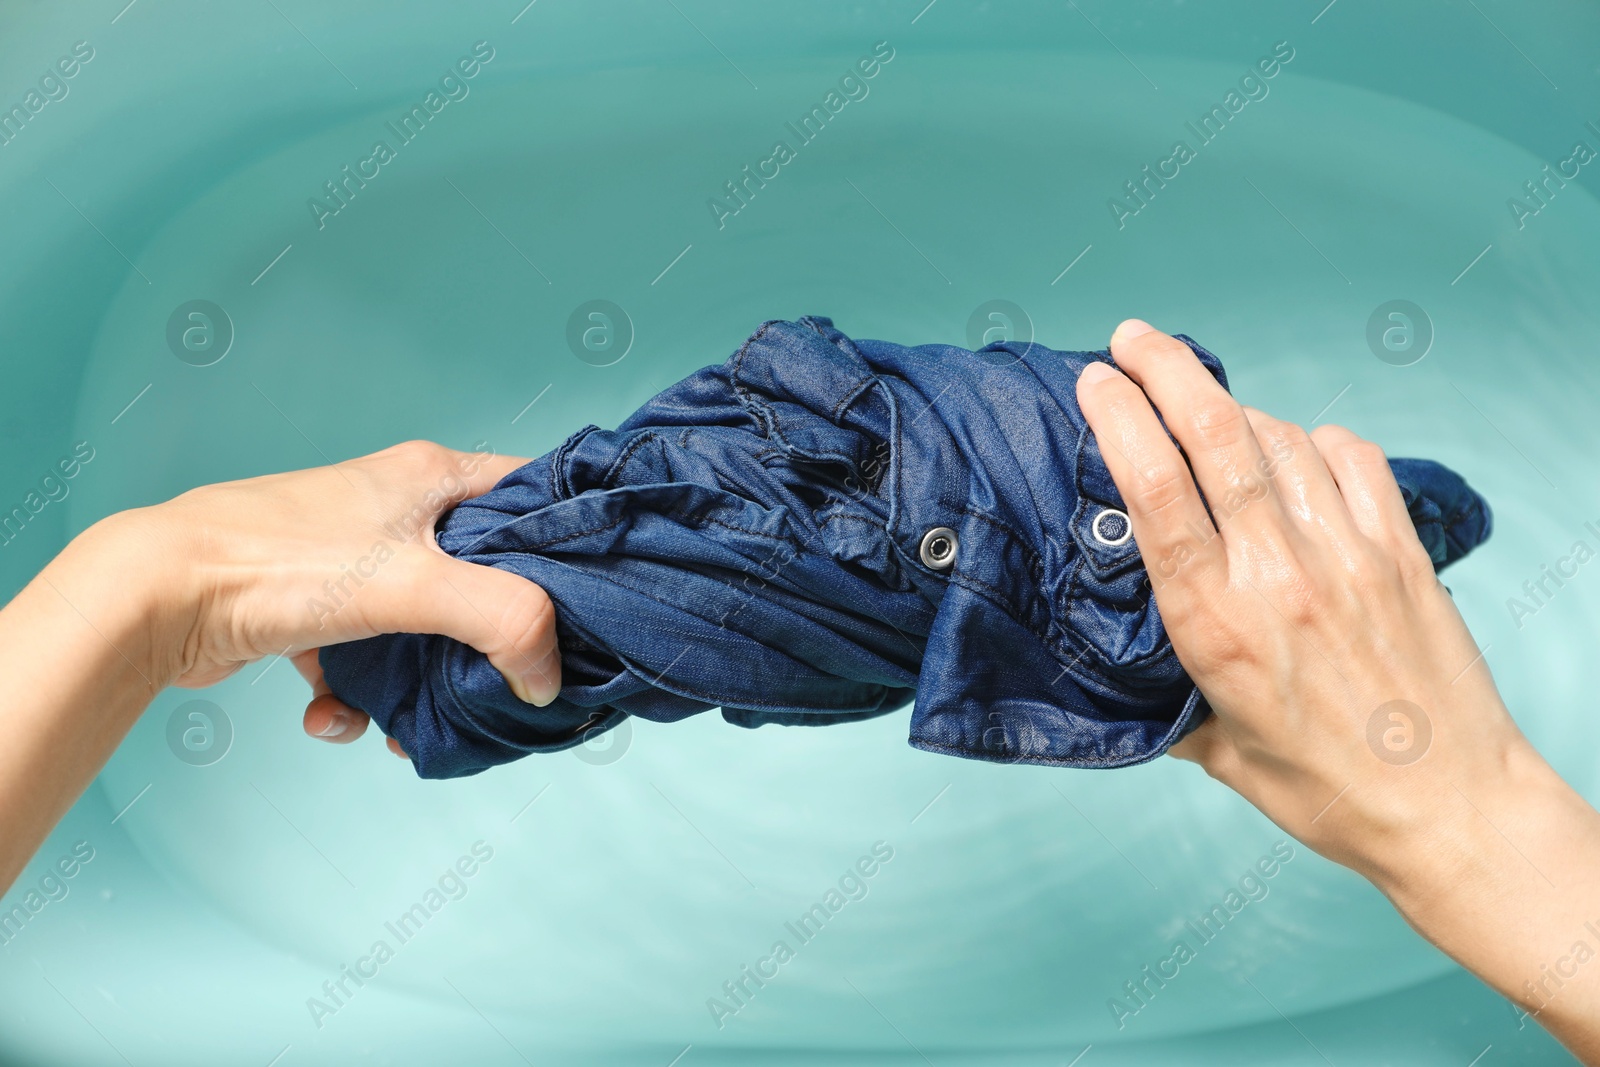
(1352, 705)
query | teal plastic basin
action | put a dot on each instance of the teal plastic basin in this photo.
(240, 871)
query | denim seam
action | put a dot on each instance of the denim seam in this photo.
(841, 514)
(851, 397)
(993, 593)
(1066, 761)
(692, 523)
(643, 591)
(682, 689)
(758, 409)
(768, 416)
(743, 529)
(1462, 515)
(1119, 560)
(560, 484)
(1056, 646)
(897, 454)
(465, 710)
(1035, 564)
(1075, 584)
(1185, 715)
(615, 470)
(618, 521)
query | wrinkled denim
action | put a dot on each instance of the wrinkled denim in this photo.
(751, 539)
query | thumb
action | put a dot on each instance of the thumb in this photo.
(503, 615)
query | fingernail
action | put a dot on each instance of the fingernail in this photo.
(338, 725)
(1131, 328)
(1096, 372)
(541, 682)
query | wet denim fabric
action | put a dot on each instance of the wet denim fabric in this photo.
(753, 539)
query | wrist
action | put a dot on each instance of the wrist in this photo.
(1463, 838)
(133, 574)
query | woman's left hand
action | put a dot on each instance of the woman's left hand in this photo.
(189, 591)
(286, 563)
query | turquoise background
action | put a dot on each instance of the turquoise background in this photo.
(436, 304)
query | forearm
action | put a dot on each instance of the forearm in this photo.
(1315, 623)
(187, 592)
(81, 652)
(1506, 880)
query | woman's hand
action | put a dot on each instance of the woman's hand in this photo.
(1352, 706)
(286, 563)
(1309, 606)
(187, 592)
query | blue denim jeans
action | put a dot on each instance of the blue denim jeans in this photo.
(816, 531)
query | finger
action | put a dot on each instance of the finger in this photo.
(1300, 474)
(506, 617)
(428, 479)
(1170, 524)
(394, 746)
(1211, 746)
(483, 470)
(310, 668)
(327, 718)
(1197, 747)
(1208, 423)
(1367, 484)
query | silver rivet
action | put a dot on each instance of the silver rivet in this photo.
(939, 548)
(1100, 534)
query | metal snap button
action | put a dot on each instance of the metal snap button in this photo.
(939, 548)
(1111, 527)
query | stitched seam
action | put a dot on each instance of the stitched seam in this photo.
(560, 486)
(738, 369)
(615, 470)
(1056, 646)
(1471, 511)
(1075, 589)
(682, 689)
(846, 515)
(619, 520)
(853, 395)
(465, 709)
(745, 529)
(1035, 564)
(1066, 761)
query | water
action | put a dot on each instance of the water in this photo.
(627, 884)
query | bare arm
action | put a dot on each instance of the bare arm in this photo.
(187, 592)
(1310, 619)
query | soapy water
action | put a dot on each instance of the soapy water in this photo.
(634, 895)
